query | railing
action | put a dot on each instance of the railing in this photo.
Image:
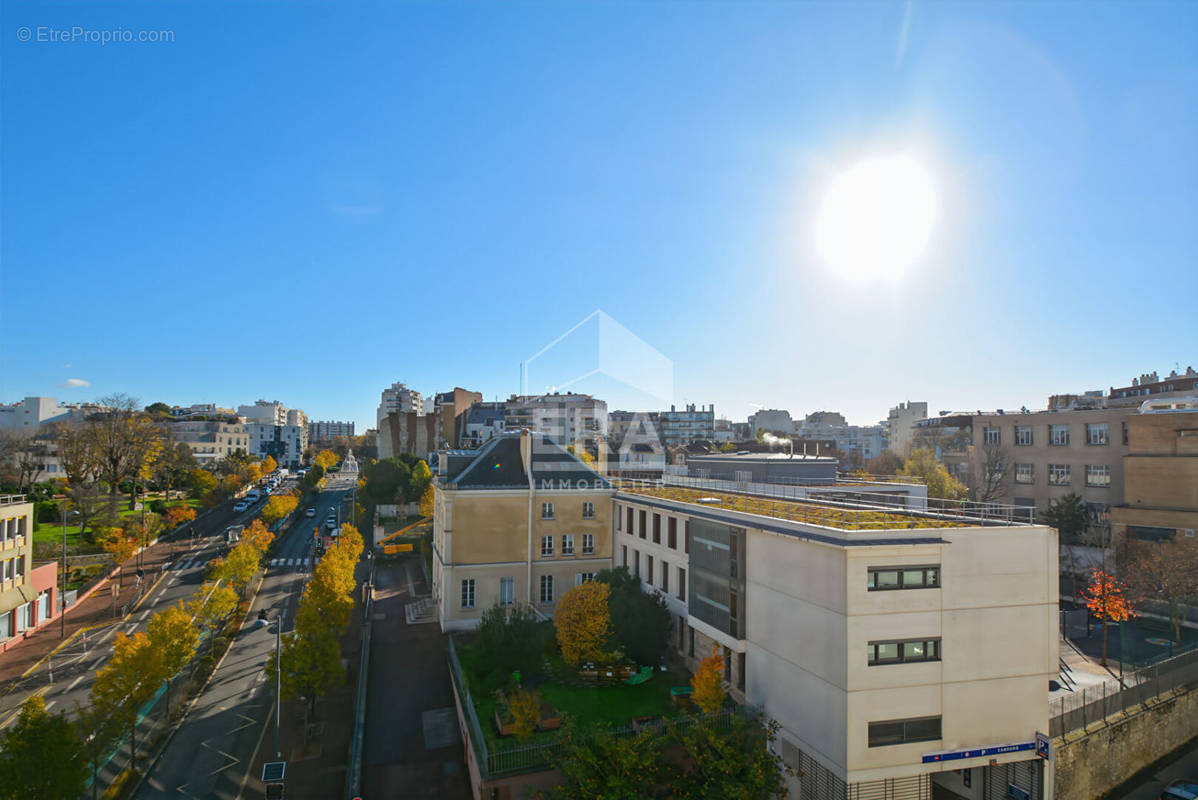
(11, 499)
(798, 505)
(1092, 704)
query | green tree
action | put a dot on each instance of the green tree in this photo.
(311, 666)
(212, 605)
(202, 482)
(509, 638)
(885, 463)
(941, 485)
(422, 479)
(735, 763)
(41, 756)
(598, 765)
(387, 482)
(640, 622)
(1068, 515)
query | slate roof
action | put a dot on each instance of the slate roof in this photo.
(499, 466)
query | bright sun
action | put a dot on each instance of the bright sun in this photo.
(876, 219)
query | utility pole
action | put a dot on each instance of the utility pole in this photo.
(278, 680)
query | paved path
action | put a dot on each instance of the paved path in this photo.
(412, 738)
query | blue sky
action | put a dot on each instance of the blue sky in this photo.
(307, 202)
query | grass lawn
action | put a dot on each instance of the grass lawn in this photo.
(52, 531)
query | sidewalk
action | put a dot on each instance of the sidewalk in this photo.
(316, 768)
(95, 610)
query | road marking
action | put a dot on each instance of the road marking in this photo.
(50, 705)
(97, 663)
(74, 683)
(142, 616)
(131, 629)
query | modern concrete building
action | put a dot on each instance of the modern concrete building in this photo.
(1160, 473)
(202, 410)
(1151, 385)
(324, 431)
(398, 398)
(900, 422)
(34, 412)
(519, 521)
(569, 419)
(449, 408)
(408, 432)
(28, 596)
(878, 640)
(276, 431)
(689, 425)
(211, 440)
(780, 468)
(480, 423)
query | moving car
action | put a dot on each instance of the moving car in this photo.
(311, 512)
(331, 524)
(241, 505)
(1180, 790)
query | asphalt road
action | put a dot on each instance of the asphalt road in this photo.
(66, 678)
(1183, 765)
(214, 746)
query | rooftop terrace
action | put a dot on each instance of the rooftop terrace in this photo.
(846, 516)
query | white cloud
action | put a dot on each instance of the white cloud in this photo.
(66, 366)
(75, 383)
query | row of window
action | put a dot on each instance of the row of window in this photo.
(11, 528)
(507, 589)
(904, 731)
(625, 519)
(903, 652)
(13, 569)
(588, 511)
(1097, 433)
(588, 545)
(1097, 475)
(650, 576)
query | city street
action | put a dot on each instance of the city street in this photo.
(209, 754)
(1183, 764)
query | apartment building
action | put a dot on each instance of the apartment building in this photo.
(1160, 473)
(877, 641)
(771, 420)
(569, 418)
(34, 412)
(408, 432)
(519, 521)
(689, 425)
(950, 437)
(900, 425)
(28, 596)
(323, 431)
(211, 440)
(1150, 384)
(1053, 453)
(480, 423)
(276, 431)
(449, 408)
(399, 399)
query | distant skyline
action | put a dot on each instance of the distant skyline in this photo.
(307, 203)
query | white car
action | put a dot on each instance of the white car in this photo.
(311, 512)
(241, 505)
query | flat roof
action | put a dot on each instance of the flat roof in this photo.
(762, 457)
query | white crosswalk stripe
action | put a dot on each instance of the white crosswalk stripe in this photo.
(274, 562)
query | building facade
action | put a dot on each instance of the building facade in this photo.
(569, 419)
(211, 440)
(689, 425)
(520, 521)
(918, 629)
(276, 431)
(480, 423)
(324, 431)
(28, 596)
(449, 408)
(1160, 474)
(900, 423)
(1150, 384)
(398, 398)
(771, 420)
(408, 432)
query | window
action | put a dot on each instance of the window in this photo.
(567, 544)
(623, 555)
(665, 577)
(588, 544)
(546, 547)
(629, 526)
(1125, 431)
(1058, 474)
(468, 593)
(905, 651)
(588, 510)
(691, 645)
(1058, 435)
(886, 578)
(681, 583)
(672, 533)
(1098, 475)
(507, 591)
(1025, 473)
(546, 510)
(583, 577)
(546, 588)
(992, 435)
(686, 536)
(657, 529)
(1098, 433)
(642, 530)
(903, 731)
(1023, 436)
(650, 569)
(619, 517)
(636, 563)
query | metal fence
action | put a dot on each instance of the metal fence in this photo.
(1092, 704)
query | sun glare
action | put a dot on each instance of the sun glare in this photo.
(876, 219)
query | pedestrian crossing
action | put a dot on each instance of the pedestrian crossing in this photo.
(185, 563)
(290, 563)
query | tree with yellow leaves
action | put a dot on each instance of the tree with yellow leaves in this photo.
(708, 682)
(525, 708)
(258, 536)
(325, 459)
(269, 465)
(130, 678)
(177, 515)
(428, 502)
(1106, 598)
(173, 637)
(238, 568)
(278, 506)
(583, 622)
(119, 543)
(253, 473)
(211, 605)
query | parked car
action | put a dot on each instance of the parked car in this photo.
(241, 505)
(331, 524)
(1180, 790)
(311, 512)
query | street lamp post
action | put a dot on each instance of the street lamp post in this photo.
(278, 680)
(62, 594)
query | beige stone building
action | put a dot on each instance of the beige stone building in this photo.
(878, 639)
(26, 600)
(1160, 473)
(211, 440)
(519, 521)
